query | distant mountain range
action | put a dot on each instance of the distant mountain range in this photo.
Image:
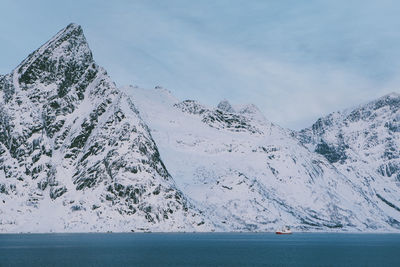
(78, 154)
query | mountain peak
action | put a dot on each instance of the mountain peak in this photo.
(391, 100)
(72, 30)
(374, 111)
(72, 35)
(73, 25)
(65, 53)
(225, 106)
(390, 96)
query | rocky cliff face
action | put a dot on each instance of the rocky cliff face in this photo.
(75, 154)
(364, 144)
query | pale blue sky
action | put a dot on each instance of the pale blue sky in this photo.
(296, 60)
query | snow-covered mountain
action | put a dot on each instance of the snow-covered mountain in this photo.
(246, 173)
(75, 154)
(79, 154)
(364, 144)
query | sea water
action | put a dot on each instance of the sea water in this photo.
(200, 249)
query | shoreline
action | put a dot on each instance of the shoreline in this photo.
(200, 233)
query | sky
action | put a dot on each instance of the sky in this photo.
(297, 60)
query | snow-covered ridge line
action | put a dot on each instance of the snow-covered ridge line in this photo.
(255, 182)
(78, 155)
(71, 29)
(364, 143)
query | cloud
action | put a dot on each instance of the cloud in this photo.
(296, 60)
(292, 94)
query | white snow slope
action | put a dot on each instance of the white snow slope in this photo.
(246, 173)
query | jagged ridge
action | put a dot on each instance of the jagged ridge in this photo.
(254, 182)
(74, 148)
(364, 143)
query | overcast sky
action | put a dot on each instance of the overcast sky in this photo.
(296, 60)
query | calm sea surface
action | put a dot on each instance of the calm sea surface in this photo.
(208, 249)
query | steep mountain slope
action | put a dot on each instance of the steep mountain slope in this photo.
(246, 173)
(364, 144)
(75, 154)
